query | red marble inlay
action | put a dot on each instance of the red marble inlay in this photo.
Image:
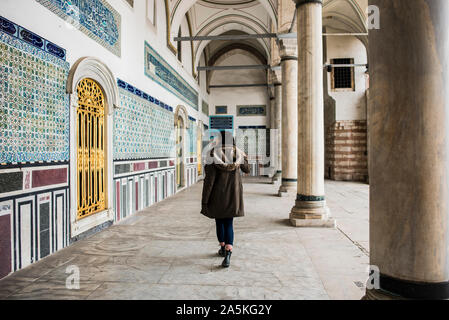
(27, 180)
(48, 177)
(5, 245)
(139, 166)
(152, 165)
(172, 163)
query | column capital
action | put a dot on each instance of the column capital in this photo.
(288, 49)
(302, 2)
(277, 77)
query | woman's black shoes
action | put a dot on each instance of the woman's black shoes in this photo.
(227, 260)
(222, 251)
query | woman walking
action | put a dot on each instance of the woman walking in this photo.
(222, 197)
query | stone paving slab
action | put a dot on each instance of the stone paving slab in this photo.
(168, 251)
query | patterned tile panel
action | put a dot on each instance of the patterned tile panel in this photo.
(192, 133)
(96, 18)
(252, 140)
(17, 31)
(34, 107)
(143, 126)
(256, 110)
(159, 70)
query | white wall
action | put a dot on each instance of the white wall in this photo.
(232, 97)
(350, 105)
(136, 29)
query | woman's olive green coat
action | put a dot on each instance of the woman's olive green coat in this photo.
(223, 191)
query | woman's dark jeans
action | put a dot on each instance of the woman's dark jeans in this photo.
(225, 230)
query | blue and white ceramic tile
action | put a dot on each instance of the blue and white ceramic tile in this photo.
(96, 18)
(34, 106)
(142, 128)
(160, 71)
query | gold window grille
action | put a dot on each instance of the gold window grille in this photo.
(90, 133)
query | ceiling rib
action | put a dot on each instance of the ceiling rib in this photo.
(237, 67)
(290, 35)
(241, 85)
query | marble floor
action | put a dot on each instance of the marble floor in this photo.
(169, 251)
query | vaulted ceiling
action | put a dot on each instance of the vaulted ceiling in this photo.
(227, 17)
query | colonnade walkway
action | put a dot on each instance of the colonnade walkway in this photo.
(169, 251)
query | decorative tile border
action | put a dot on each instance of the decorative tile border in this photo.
(157, 69)
(141, 94)
(17, 181)
(31, 38)
(34, 106)
(254, 110)
(126, 168)
(96, 18)
(143, 126)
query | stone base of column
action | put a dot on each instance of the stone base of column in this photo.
(287, 188)
(311, 214)
(276, 177)
(375, 294)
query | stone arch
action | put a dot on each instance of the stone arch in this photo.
(238, 24)
(181, 7)
(232, 49)
(90, 67)
(181, 133)
(181, 111)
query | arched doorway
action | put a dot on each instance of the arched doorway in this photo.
(91, 149)
(181, 126)
(199, 147)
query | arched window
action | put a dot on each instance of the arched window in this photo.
(91, 148)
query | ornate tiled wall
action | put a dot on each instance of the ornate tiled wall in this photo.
(160, 71)
(34, 148)
(192, 132)
(253, 141)
(34, 108)
(139, 184)
(143, 126)
(96, 18)
(256, 110)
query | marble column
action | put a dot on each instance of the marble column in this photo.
(310, 207)
(289, 124)
(272, 138)
(409, 149)
(276, 132)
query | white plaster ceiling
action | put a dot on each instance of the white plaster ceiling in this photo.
(218, 17)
